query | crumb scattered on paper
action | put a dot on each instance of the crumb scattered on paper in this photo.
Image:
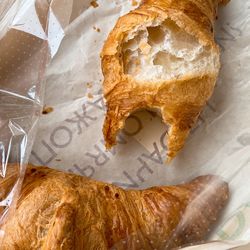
(58, 160)
(90, 96)
(47, 110)
(94, 4)
(89, 85)
(134, 3)
(97, 29)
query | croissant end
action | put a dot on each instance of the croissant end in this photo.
(161, 56)
(57, 210)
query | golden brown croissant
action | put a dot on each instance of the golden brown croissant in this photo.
(57, 210)
(161, 56)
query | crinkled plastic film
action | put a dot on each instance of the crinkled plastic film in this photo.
(27, 44)
(69, 35)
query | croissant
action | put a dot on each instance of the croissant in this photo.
(161, 56)
(57, 210)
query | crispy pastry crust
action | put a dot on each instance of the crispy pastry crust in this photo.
(58, 210)
(180, 100)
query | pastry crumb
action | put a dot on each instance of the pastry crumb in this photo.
(47, 110)
(89, 85)
(58, 160)
(90, 96)
(97, 29)
(134, 3)
(94, 4)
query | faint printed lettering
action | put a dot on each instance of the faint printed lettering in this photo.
(67, 138)
(155, 156)
(81, 119)
(163, 140)
(142, 169)
(136, 128)
(99, 103)
(87, 171)
(51, 157)
(132, 183)
(99, 157)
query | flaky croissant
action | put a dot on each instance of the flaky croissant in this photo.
(161, 56)
(58, 210)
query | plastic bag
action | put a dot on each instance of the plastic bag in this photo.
(74, 36)
(23, 56)
(29, 37)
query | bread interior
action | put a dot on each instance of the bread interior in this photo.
(162, 51)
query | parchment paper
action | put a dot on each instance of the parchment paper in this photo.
(70, 137)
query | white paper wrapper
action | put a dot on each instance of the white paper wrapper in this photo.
(70, 138)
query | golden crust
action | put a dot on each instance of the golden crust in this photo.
(181, 100)
(58, 210)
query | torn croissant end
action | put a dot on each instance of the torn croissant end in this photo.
(162, 56)
(57, 210)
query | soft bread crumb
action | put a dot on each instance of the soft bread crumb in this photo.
(47, 110)
(162, 51)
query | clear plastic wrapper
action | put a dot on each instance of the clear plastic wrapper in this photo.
(24, 53)
(69, 35)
